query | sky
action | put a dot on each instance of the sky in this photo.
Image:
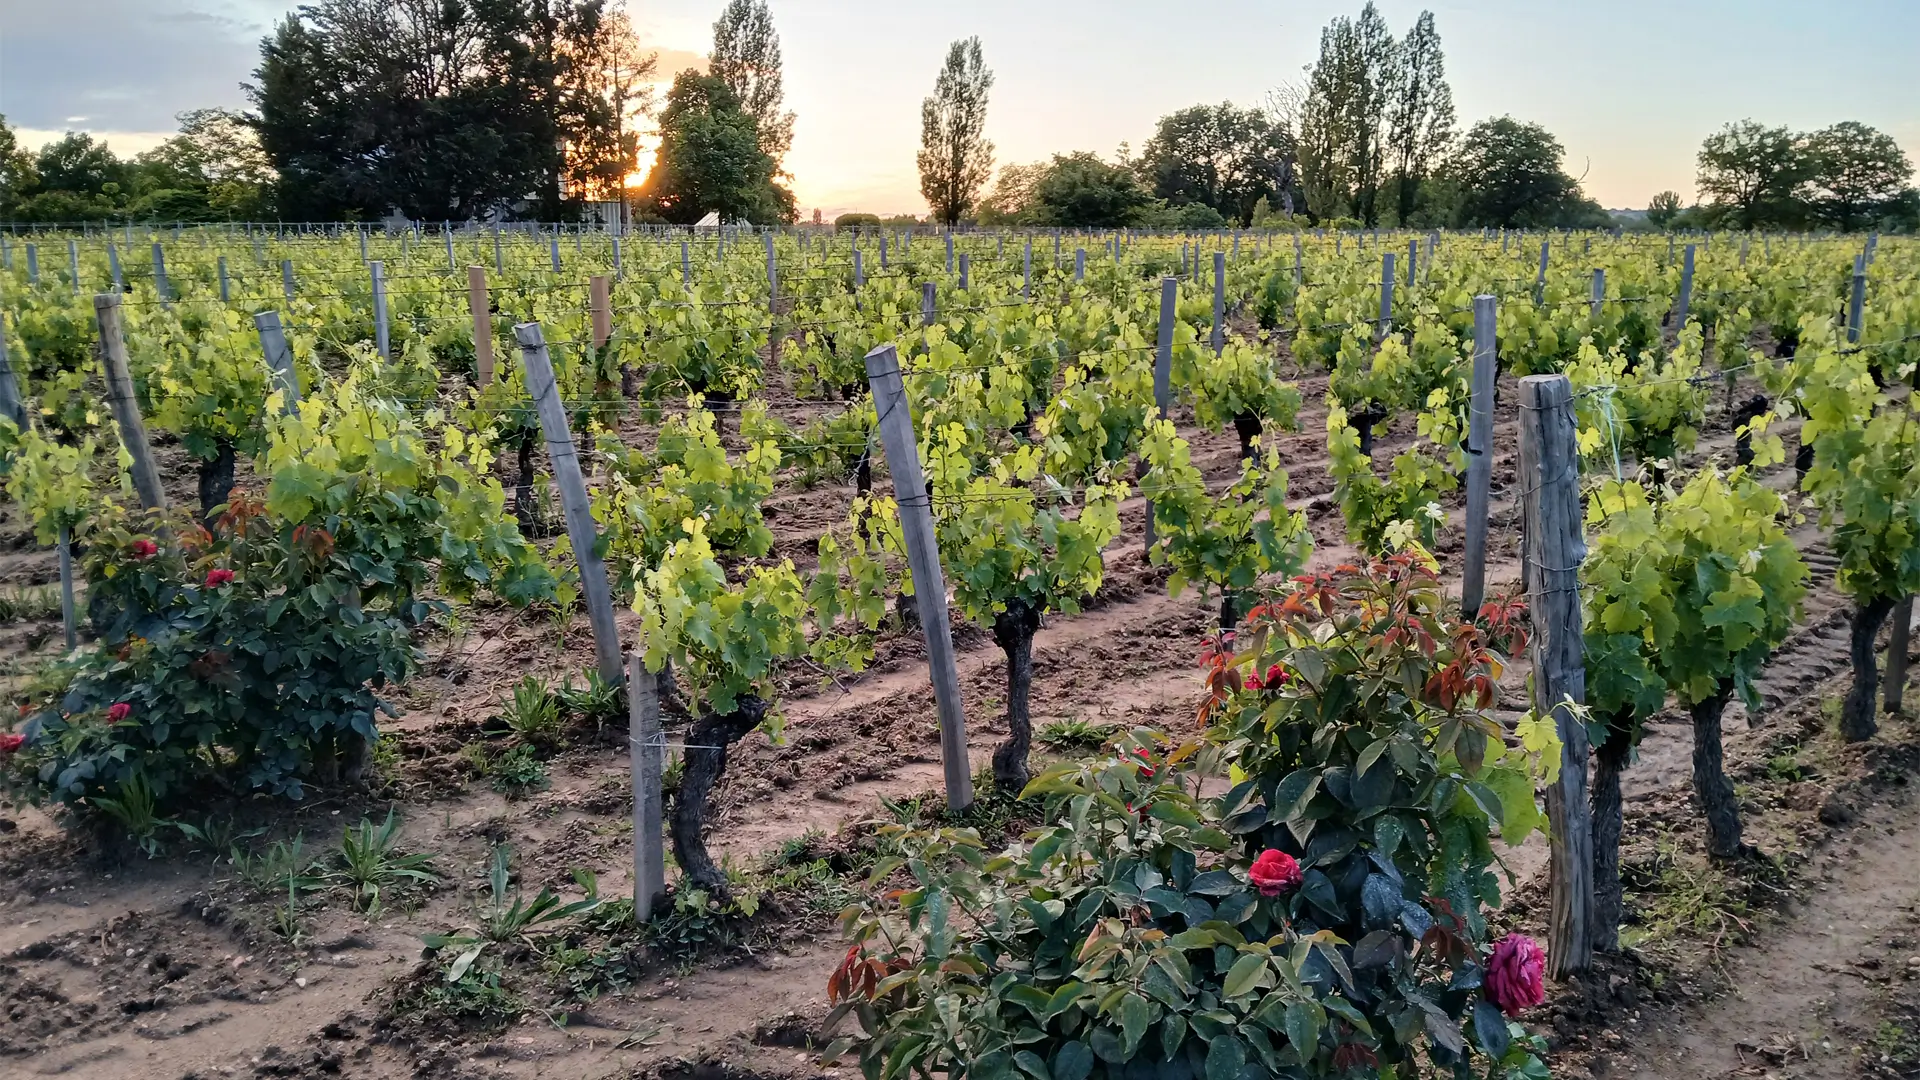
(1630, 87)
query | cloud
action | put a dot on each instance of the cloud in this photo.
(160, 59)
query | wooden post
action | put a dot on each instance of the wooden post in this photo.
(600, 300)
(73, 265)
(573, 499)
(286, 279)
(1026, 271)
(113, 267)
(949, 253)
(966, 270)
(686, 266)
(553, 250)
(646, 743)
(902, 448)
(499, 259)
(362, 234)
(773, 276)
(1473, 569)
(1386, 294)
(1540, 282)
(69, 620)
(927, 311)
(1163, 371)
(1550, 485)
(381, 341)
(33, 264)
(446, 233)
(481, 309)
(226, 295)
(1079, 264)
(120, 399)
(1686, 289)
(1599, 291)
(279, 356)
(859, 276)
(618, 270)
(12, 406)
(1299, 264)
(1413, 260)
(1899, 643)
(1857, 302)
(1219, 341)
(160, 288)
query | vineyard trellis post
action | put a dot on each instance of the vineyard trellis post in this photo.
(1857, 300)
(686, 266)
(1413, 260)
(646, 745)
(1219, 341)
(773, 283)
(966, 271)
(286, 279)
(226, 295)
(581, 532)
(113, 267)
(33, 264)
(1163, 373)
(69, 618)
(1540, 280)
(1473, 571)
(480, 307)
(1386, 294)
(1686, 289)
(160, 289)
(73, 265)
(1554, 548)
(1899, 642)
(902, 447)
(1026, 271)
(382, 341)
(1599, 291)
(1079, 264)
(120, 400)
(12, 406)
(553, 251)
(279, 357)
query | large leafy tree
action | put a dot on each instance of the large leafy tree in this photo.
(1081, 191)
(1219, 156)
(1753, 174)
(1343, 116)
(450, 109)
(711, 159)
(1510, 176)
(955, 157)
(746, 55)
(1858, 172)
(1420, 114)
(216, 160)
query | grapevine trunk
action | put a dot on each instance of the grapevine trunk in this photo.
(1247, 426)
(216, 478)
(706, 758)
(1856, 716)
(1610, 760)
(1013, 629)
(1710, 780)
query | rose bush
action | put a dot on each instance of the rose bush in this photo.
(1323, 915)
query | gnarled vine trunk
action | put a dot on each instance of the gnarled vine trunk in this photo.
(1856, 715)
(706, 758)
(1013, 630)
(1365, 421)
(1247, 426)
(1609, 761)
(524, 512)
(1710, 780)
(216, 479)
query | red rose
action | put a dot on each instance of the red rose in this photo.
(1146, 762)
(1514, 974)
(144, 549)
(1277, 677)
(9, 743)
(217, 578)
(1274, 872)
(119, 711)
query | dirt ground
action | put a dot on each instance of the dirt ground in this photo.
(115, 965)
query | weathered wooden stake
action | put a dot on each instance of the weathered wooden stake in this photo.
(120, 399)
(69, 619)
(479, 307)
(1899, 643)
(573, 499)
(1686, 289)
(1386, 294)
(902, 448)
(646, 744)
(1473, 570)
(1550, 486)
(1599, 291)
(381, 341)
(1163, 371)
(1219, 340)
(12, 406)
(279, 357)
(1857, 301)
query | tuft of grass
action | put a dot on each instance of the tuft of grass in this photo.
(517, 772)
(532, 714)
(372, 865)
(33, 603)
(1074, 734)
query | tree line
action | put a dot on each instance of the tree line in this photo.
(1847, 177)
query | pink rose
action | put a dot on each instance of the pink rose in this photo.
(1274, 872)
(11, 743)
(119, 711)
(1514, 974)
(144, 550)
(217, 578)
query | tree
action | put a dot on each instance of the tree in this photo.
(1081, 191)
(78, 163)
(442, 110)
(1342, 117)
(215, 161)
(1753, 174)
(17, 178)
(1012, 200)
(1857, 171)
(711, 159)
(615, 72)
(1510, 177)
(1420, 115)
(746, 55)
(1663, 208)
(1219, 156)
(955, 157)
